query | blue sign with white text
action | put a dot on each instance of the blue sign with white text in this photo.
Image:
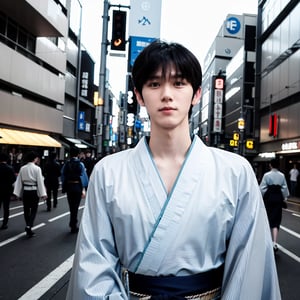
(81, 120)
(137, 44)
(233, 25)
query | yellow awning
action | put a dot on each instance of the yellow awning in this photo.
(18, 137)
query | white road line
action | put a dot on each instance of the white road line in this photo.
(295, 234)
(289, 253)
(58, 217)
(14, 238)
(63, 215)
(296, 215)
(21, 207)
(50, 280)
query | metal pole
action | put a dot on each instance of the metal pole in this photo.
(102, 79)
(78, 74)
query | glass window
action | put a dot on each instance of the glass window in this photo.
(12, 31)
(22, 39)
(2, 24)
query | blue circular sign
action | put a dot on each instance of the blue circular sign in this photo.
(233, 25)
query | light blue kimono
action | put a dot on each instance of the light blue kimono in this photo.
(213, 215)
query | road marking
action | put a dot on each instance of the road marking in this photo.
(58, 217)
(21, 207)
(63, 215)
(50, 280)
(295, 234)
(289, 253)
(14, 238)
(296, 215)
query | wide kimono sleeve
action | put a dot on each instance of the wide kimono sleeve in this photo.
(18, 188)
(250, 270)
(96, 272)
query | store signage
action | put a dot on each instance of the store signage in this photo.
(290, 146)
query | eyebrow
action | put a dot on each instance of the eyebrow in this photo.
(167, 75)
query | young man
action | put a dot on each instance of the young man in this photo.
(176, 218)
(74, 182)
(30, 187)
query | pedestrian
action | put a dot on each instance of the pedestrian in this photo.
(172, 217)
(294, 173)
(7, 179)
(74, 181)
(30, 187)
(275, 191)
(52, 174)
(88, 162)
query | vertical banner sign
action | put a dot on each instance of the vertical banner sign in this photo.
(81, 120)
(218, 103)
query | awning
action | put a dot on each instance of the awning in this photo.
(82, 144)
(26, 138)
(77, 143)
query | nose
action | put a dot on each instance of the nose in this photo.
(166, 92)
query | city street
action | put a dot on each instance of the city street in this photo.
(39, 267)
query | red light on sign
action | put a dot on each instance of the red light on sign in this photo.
(219, 83)
(273, 125)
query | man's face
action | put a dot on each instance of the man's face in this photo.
(167, 99)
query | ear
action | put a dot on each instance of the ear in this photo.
(197, 96)
(139, 97)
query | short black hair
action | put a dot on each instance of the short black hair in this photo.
(31, 156)
(74, 151)
(4, 157)
(274, 163)
(161, 54)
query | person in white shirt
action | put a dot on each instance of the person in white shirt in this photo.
(30, 187)
(294, 173)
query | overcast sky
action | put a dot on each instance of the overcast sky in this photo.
(193, 23)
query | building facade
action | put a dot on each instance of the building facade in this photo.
(230, 61)
(44, 90)
(278, 81)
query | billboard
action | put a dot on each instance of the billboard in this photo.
(145, 18)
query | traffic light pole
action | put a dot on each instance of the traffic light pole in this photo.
(102, 109)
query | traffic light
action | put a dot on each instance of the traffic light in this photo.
(118, 40)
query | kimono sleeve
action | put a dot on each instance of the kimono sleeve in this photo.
(96, 272)
(250, 270)
(18, 188)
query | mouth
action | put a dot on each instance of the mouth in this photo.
(167, 109)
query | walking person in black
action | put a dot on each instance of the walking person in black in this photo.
(74, 181)
(88, 162)
(274, 190)
(7, 179)
(52, 173)
(30, 187)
